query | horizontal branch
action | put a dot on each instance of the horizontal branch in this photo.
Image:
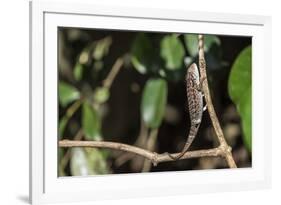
(154, 157)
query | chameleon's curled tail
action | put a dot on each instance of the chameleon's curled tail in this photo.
(191, 136)
(195, 106)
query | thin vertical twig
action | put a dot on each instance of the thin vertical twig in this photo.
(150, 146)
(113, 72)
(223, 144)
(64, 160)
(140, 142)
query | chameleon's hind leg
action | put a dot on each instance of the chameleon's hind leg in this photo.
(202, 79)
(200, 86)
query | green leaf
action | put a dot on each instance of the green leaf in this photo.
(101, 95)
(102, 48)
(172, 51)
(67, 93)
(78, 71)
(240, 75)
(60, 165)
(245, 110)
(240, 91)
(87, 161)
(91, 122)
(191, 41)
(141, 53)
(209, 41)
(84, 56)
(97, 161)
(62, 125)
(78, 163)
(154, 99)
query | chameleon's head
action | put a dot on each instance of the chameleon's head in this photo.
(193, 69)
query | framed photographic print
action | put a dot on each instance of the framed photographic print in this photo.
(130, 102)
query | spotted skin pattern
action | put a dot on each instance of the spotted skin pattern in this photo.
(195, 106)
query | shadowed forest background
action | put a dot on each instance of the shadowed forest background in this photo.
(124, 86)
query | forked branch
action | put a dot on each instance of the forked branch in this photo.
(223, 144)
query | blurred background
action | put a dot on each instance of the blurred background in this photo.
(129, 87)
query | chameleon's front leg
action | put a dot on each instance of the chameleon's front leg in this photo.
(201, 90)
(199, 87)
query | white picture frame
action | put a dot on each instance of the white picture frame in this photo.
(46, 186)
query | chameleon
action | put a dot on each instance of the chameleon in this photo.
(195, 105)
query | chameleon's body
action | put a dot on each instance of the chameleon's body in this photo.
(195, 105)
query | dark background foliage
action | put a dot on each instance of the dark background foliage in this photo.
(89, 109)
